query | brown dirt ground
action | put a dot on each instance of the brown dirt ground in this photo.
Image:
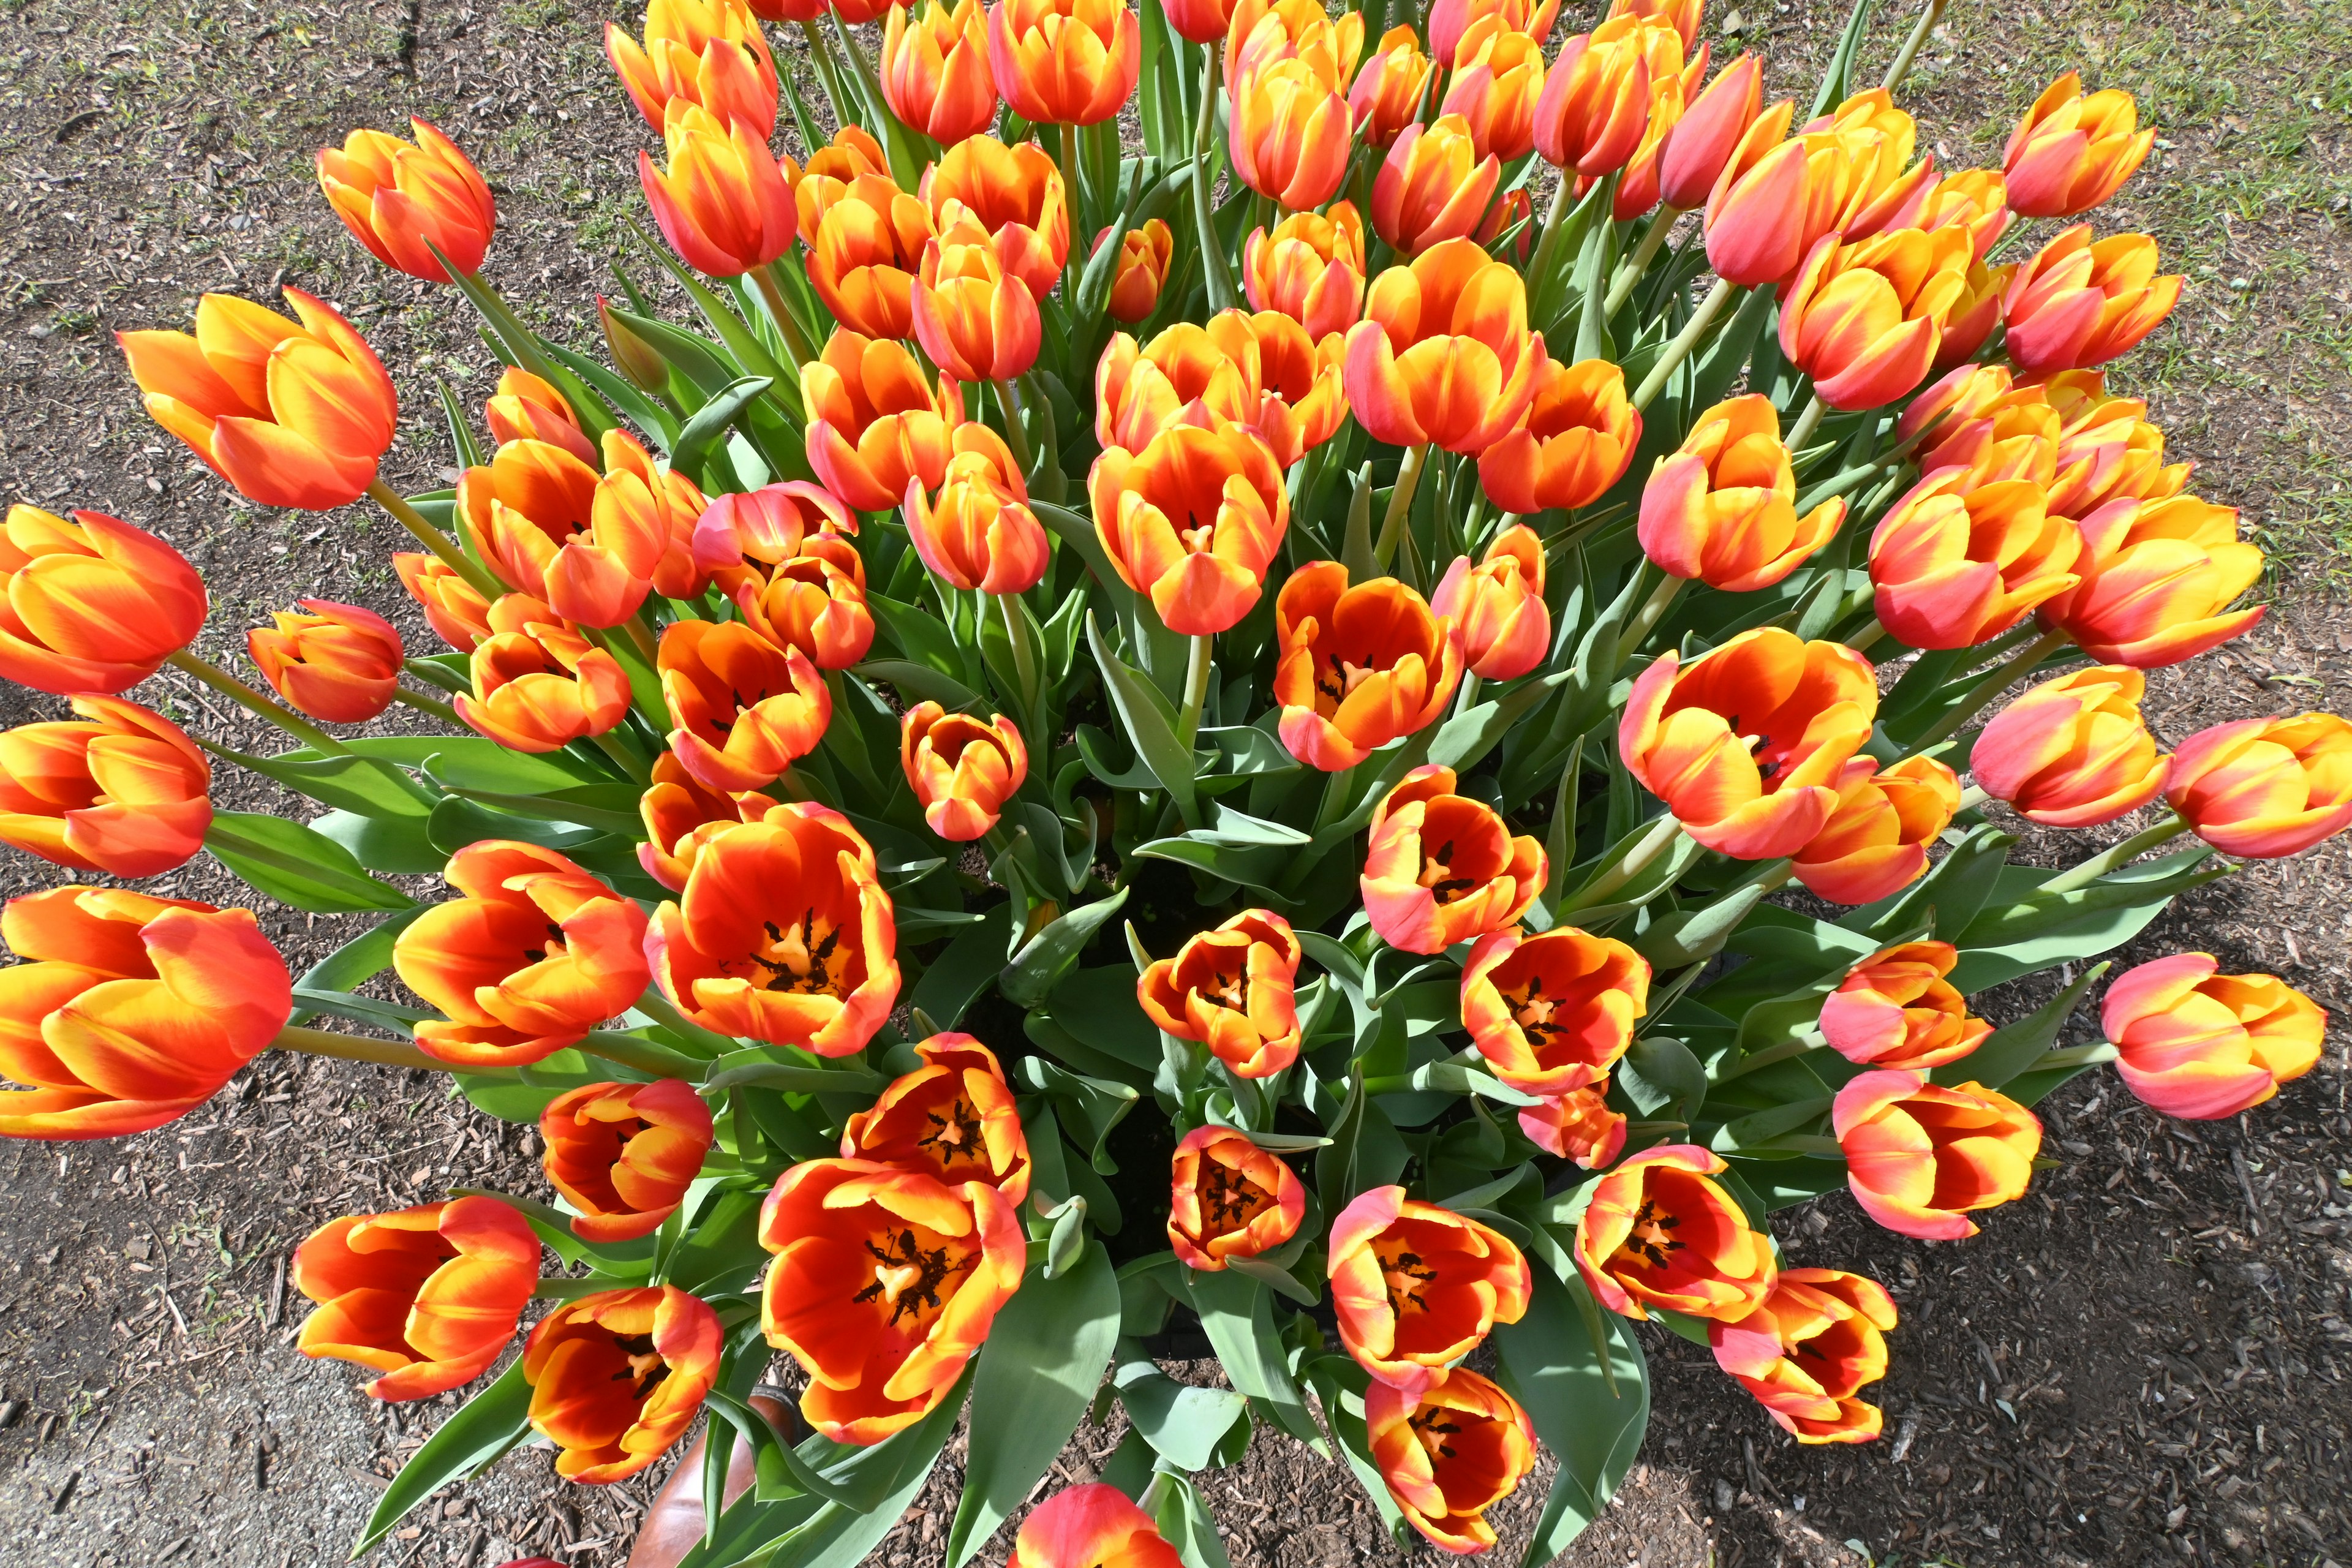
(2144, 1360)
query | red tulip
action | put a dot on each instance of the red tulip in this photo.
(1722, 507)
(1192, 521)
(1417, 1287)
(1443, 868)
(404, 201)
(1956, 562)
(1092, 1526)
(1434, 186)
(1310, 268)
(953, 1117)
(428, 1298)
(1065, 62)
(121, 790)
(2079, 303)
(624, 1153)
(935, 72)
(1449, 1453)
(2071, 153)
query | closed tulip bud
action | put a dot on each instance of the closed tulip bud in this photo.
(119, 790)
(963, 770)
(1013, 193)
(1449, 1453)
(1065, 62)
(1443, 868)
(980, 533)
(772, 525)
(708, 53)
(1261, 372)
(2074, 751)
(1498, 77)
(129, 1012)
(538, 685)
(1897, 1009)
(934, 71)
(653, 505)
(976, 320)
(1200, 21)
(1661, 1232)
(1358, 667)
(1511, 215)
(2105, 451)
(337, 663)
(1443, 355)
(1948, 404)
(1956, 564)
(1920, 1158)
(2263, 788)
(426, 1298)
(1498, 607)
(1694, 154)
(2071, 153)
(1310, 268)
(526, 408)
(1814, 1343)
(1387, 94)
(743, 708)
(1229, 1198)
(622, 1154)
(680, 816)
(637, 361)
(784, 934)
(1434, 186)
(1637, 181)
(1418, 1287)
(404, 201)
(2157, 580)
(883, 1346)
(90, 606)
(1552, 1013)
(873, 421)
(531, 503)
(723, 204)
(1596, 103)
(1290, 141)
(1875, 841)
(1450, 22)
(863, 250)
(811, 606)
(1755, 227)
(1974, 313)
(1576, 1125)
(1975, 201)
(453, 607)
(2079, 303)
(1865, 320)
(292, 416)
(1861, 179)
(2200, 1045)
(617, 1376)
(1575, 444)
(1230, 990)
(1144, 255)
(1722, 507)
(2007, 435)
(1193, 521)
(1747, 743)
(952, 1119)
(1093, 1526)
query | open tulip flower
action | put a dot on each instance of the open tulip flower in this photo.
(1816, 1341)
(1662, 1232)
(1443, 355)
(865, 244)
(709, 53)
(810, 607)
(875, 422)
(2072, 751)
(935, 73)
(1866, 319)
(1359, 666)
(1552, 1013)
(680, 815)
(538, 684)
(1418, 1287)
(426, 1298)
(93, 605)
(1229, 1198)
(1875, 841)
(1897, 1009)
(1192, 521)
(335, 662)
(1722, 507)
(1310, 268)
(772, 525)
(2072, 151)
(2262, 788)
(413, 205)
(1092, 1526)
(1448, 1454)
(953, 1117)
(1920, 1157)
(979, 534)
(743, 708)
(624, 1153)
(1444, 867)
(1956, 562)
(119, 789)
(2200, 1045)
(1230, 990)
(617, 1376)
(1065, 62)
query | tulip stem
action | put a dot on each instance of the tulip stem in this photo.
(1868, 638)
(796, 351)
(1542, 264)
(433, 705)
(1630, 270)
(1929, 14)
(1468, 697)
(1197, 670)
(285, 718)
(627, 761)
(1646, 618)
(1807, 423)
(2082, 876)
(353, 1049)
(2003, 676)
(662, 1011)
(1684, 342)
(1972, 797)
(433, 539)
(636, 1052)
(1212, 259)
(1408, 480)
(1008, 397)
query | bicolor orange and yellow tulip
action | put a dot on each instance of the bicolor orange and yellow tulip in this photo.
(1358, 666)
(1231, 989)
(1228, 1199)
(2074, 751)
(1722, 507)
(2262, 788)
(622, 1154)
(405, 201)
(1443, 868)
(953, 1117)
(2200, 1045)
(1417, 1287)
(1920, 1157)
(962, 770)
(426, 1298)
(119, 788)
(1660, 1231)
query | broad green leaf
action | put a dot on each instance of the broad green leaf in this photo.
(297, 865)
(1150, 721)
(1182, 1424)
(2016, 1047)
(1237, 1314)
(358, 960)
(363, 785)
(959, 975)
(1046, 957)
(493, 1421)
(1553, 1368)
(702, 432)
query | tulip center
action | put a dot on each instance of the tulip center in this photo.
(1532, 1010)
(1652, 1239)
(1758, 747)
(1227, 989)
(1437, 875)
(955, 1133)
(1405, 1275)
(553, 947)
(1229, 1200)
(798, 958)
(1341, 679)
(908, 1275)
(1432, 1428)
(645, 1369)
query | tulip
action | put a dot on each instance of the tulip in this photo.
(1574, 445)
(1511, 215)
(1660, 1232)
(773, 524)
(1809, 1349)
(1498, 607)
(538, 684)
(784, 934)
(291, 416)
(1359, 667)
(1637, 181)
(708, 53)
(963, 770)
(2079, 303)
(1231, 989)
(1229, 1198)
(533, 503)
(1290, 140)
(864, 247)
(1450, 22)
(1552, 1013)
(1865, 320)
(1418, 1287)
(426, 1298)
(1921, 1157)
(2106, 450)
(2200, 1045)
(2261, 788)
(1682, 15)
(338, 663)
(405, 201)
(1259, 372)
(1387, 94)
(1092, 1526)
(980, 534)
(1747, 744)
(1013, 193)
(1975, 201)
(453, 607)
(723, 204)
(952, 1119)
(2070, 153)
(1695, 152)
(1953, 402)
(1262, 32)
(2013, 437)
(1065, 62)
(2157, 579)
(1576, 1125)
(1875, 841)
(1448, 1454)
(1861, 180)
(1443, 868)
(1443, 355)
(2074, 751)
(121, 789)
(526, 408)
(128, 1011)
(833, 169)
(622, 1154)
(1200, 21)
(742, 708)
(976, 320)
(1144, 255)
(1310, 268)
(810, 606)
(642, 499)
(935, 74)
(1756, 223)
(533, 955)
(875, 422)
(1974, 313)
(1434, 185)
(616, 1377)
(1722, 507)
(1193, 521)
(1595, 107)
(861, 1245)
(1897, 1009)
(680, 816)
(1498, 77)
(1955, 563)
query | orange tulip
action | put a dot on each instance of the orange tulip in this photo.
(638, 498)
(1848, 172)
(1229, 1198)
(2157, 579)
(1920, 1157)
(742, 707)
(526, 408)
(773, 524)
(1974, 200)
(533, 955)
(93, 605)
(338, 663)
(952, 1119)
(1875, 841)
(1093, 1526)
(1065, 62)
(1682, 15)
(1660, 1232)
(1259, 372)
(1809, 1349)
(1552, 1013)
(1359, 667)
(935, 75)
(292, 416)
(723, 204)
(975, 320)
(885, 1283)
(1595, 108)
(875, 422)
(622, 1154)
(121, 790)
(1310, 268)
(1511, 215)
(1013, 193)
(538, 684)
(453, 607)
(1955, 563)
(1290, 141)
(1498, 607)
(2074, 751)
(1418, 1287)
(1262, 32)
(426, 1298)
(833, 169)
(2070, 153)
(1577, 1125)
(980, 533)
(1443, 354)
(1144, 255)
(708, 53)
(784, 934)
(1974, 313)
(130, 1012)
(1443, 868)
(2200, 1045)
(864, 247)
(2079, 303)
(534, 503)
(961, 771)
(1193, 521)
(1868, 183)
(2106, 450)
(810, 606)
(1498, 76)
(1699, 146)
(1865, 320)
(1448, 1454)
(1956, 402)
(2262, 788)
(1450, 22)
(406, 200)
(617, 1377)
(1434, 185)
(1670, 91)
(1575, 444)
(1387, 94)
(1897, 1009)
(680, 816)
(1231, 989)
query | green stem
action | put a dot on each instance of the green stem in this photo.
(636, 1052)
(1198, 668)
(1646, 618)
(1025, 665)
(1684, 342)
(1630, 270)
(1542, 263)
(1868, 638)
(353, 1049)
(1807, 423)
(2107, 860)
(433, 705)
(662, 1011)
(1008, 397)
(1467, 697)
(2005, 674)
(285, 718)
(433, 539)
(796, 347)
(623, 758)
(1212, 259)
(1929, 14)
(1636, 860)
(1400, 503)
(2076, 1057)
(1769, 1055)
(1972, 797)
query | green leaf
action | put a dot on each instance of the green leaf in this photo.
(1182, 1424)
(400, 846)
(1046, 957)
(958, 977)
(1150, 721)
(702, 432)
(2007, 941)
(1658, 1071)
(358, 960)
(1955, 889)
(1465, 738)
(484, 1426)
(297, 865)
(1090, 1107)
(363, 785)
(1185, 1521)
(1553, 1368)
(1237, 1314)
(2016, 1047)
(1837, 82)
(768, 1068)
